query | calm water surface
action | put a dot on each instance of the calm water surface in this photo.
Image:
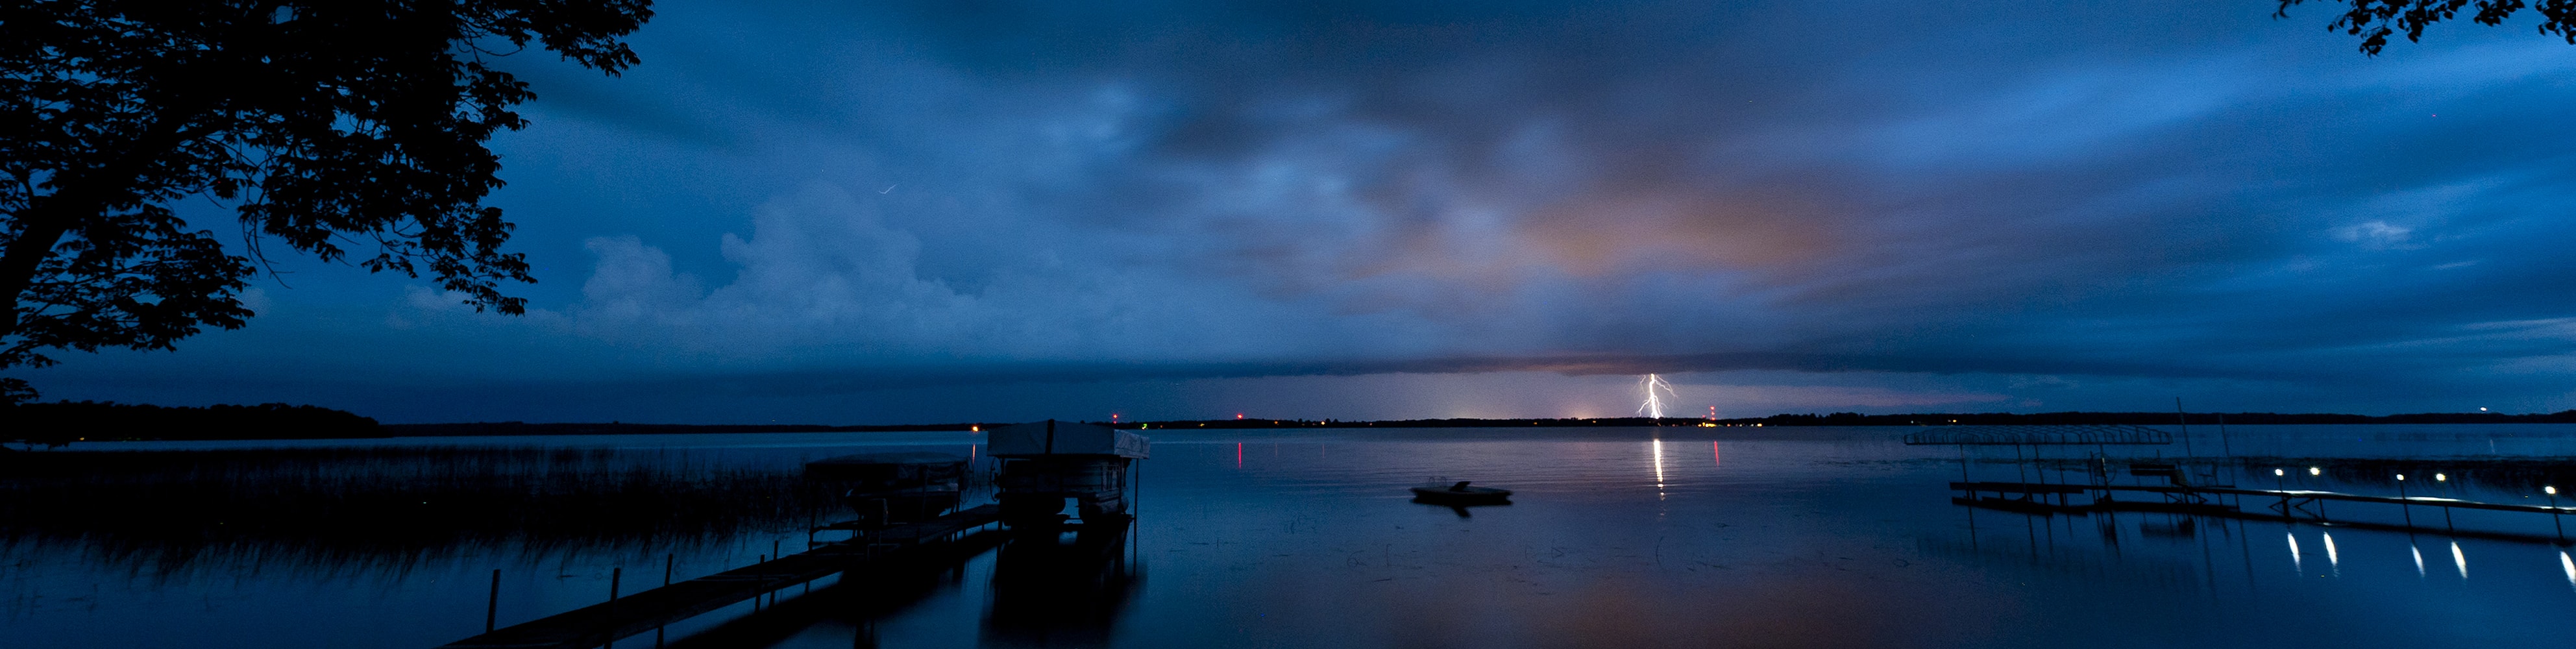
(1617, 537)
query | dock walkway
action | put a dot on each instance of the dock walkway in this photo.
(599, 624)
(2303, 505)
(2293, 495)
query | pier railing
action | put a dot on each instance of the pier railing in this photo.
(621, 617)
(2301, 505)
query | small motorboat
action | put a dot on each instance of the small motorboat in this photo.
(1461, 494)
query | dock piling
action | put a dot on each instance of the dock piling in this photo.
(492, 606)
(2405, 504)
(615, 575)
(2554, 516)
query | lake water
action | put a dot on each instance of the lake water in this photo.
(1633, 537)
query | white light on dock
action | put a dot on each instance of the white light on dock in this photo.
(2441, 477)
(2549, 490)
(2401, 477)
(2315, 471)
(2276, 473)
(2461, 559)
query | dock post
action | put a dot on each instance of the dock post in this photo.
(2184, 422)
(1963, 462)
(2020, 469)
(2223, 446)
(2553, 514)
(667, 562)
(2405, 504)
(492, 606)
(615, 575)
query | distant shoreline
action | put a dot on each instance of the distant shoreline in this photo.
(1784, 420)
(59, 423)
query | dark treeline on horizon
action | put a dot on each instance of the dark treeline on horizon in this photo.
(64, 422)
(2151, 418)
(1911, 419)
(506, 428)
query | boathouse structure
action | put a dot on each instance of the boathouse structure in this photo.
(1047, 463)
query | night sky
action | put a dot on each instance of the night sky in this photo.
(888, 212)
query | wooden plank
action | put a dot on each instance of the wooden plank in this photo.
(598, 624)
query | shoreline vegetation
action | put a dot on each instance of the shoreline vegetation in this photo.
(59, 423)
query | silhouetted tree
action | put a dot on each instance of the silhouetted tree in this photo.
(2374, 20)
(323, 123)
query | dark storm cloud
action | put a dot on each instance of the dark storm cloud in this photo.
(835, 198)
(849, 382)
(1617, 179)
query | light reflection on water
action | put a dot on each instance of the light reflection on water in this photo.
(1796, 537)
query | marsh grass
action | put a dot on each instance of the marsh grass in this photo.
(334, 508)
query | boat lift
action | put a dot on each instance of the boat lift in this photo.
(1046, 463)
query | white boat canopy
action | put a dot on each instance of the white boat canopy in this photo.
(1051, 437)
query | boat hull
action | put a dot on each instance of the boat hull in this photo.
(1462, 496)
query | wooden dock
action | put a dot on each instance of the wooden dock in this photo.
(600, 624)
(2292, 495)
(2297, 505)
